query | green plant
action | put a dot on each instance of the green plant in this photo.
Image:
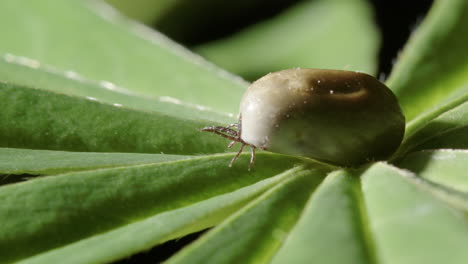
(87, 96)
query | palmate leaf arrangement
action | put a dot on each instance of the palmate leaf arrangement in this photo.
(102, 158)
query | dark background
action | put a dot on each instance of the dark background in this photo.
(396, 20)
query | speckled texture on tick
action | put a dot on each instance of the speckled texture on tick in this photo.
(342, 117)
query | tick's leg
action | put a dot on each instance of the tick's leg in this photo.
(232, 144)
(222, 129)
(252, 156)
(232, 135)
(229, 131)
(237, 155)
(239, 127)
(236, 125)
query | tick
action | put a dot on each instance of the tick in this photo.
(341, 117)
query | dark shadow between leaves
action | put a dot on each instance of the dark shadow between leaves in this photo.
(437, 135)
(162, 252)
(15, 178)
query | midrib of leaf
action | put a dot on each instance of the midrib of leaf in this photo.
(330, 220)
(301, 215)
(46, 162)
(368, 237)
(423, 119)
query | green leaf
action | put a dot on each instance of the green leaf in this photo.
(255, 233)
(45, 162)
(143, 234)
(39, 119)
(108, 199)
(146, 11)
(434, 63)
(442, 127)
(327, 34)
(333, 220)
(79, 77)
(445, 166)
(13, 70)
(411, 221)
(115, 50)
(456, 138)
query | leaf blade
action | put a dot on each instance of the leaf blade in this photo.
(46, 162)
(262, 216)
(39, 119)
(331, 220)
(403, 212)
(433, 65)
(434, 129)
(443, 166)
(289, 41)
(13, 70)
(123, 52)
(122, 242)
(110, 198)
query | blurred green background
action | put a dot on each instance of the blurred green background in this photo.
(204, 24)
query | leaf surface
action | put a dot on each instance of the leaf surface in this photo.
(254, 233)
(333, 219)
(411, 221)
(444, 127)
(116, 50)
(108, 199)
(434, 63)
(13, 70)
(38, 119)
(143, 234)
(46, 162)
(444, 166)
